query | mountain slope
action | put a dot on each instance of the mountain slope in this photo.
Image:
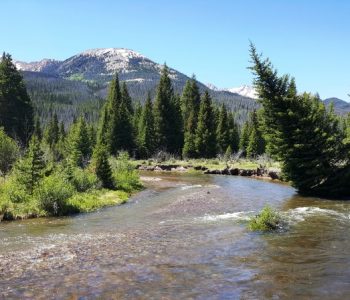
(90, 72)
(341, 107)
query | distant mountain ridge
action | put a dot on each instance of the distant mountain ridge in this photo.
(79, 84)
(51, 82)
(341, 107)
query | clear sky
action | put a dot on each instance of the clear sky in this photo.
(306, 38)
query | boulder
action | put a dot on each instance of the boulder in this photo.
(274, 175)
(234, 171)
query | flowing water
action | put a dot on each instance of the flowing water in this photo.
(184, 237)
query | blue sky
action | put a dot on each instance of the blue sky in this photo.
(307, 39)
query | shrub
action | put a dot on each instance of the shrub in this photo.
(125, 176)
(52, 194)
(13, 191)
(84, 180)
(267, 220)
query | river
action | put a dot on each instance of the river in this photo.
(184, 237)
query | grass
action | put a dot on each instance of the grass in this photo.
(267, 220)
(88, 202)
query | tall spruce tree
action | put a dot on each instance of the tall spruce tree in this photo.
(205, 133)
(16, 111)
(256, 142)
(244, 138)
(163, 111)
(223, 130)
(126, 98)
(31, 168)
(146, 130)
(233, 133)
(80, 144)
(175, 136)
(102, 166)
(190, 102)
(301, 133)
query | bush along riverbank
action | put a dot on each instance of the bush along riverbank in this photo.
(247, 168)
(63, 189)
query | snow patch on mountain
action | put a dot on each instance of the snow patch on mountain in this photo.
(244, 90)
(36, 66)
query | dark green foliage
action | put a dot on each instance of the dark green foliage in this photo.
(31, 168)
(190, 102)
(162, 111)
(80, 148)
(205, 133)
(233, 133)
(102, 166)
(146, 130)
(256, 142)
(244, 139)
(189, 149)
(302, 134)
(116, 128)
(126, 98)
(175, 136)
(222, 130)
(16, 111)
(123, 133)
(9, 152)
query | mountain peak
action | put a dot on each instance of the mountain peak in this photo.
(112, 52)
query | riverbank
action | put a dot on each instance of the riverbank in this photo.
(246, 168)
(67, 191)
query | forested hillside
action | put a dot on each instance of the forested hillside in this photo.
(79, 84)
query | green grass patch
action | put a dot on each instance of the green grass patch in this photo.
(267, 220)
(88, 202)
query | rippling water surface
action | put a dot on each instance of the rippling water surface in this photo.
(184, 237)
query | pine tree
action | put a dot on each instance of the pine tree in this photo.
(256, 143)
(79, 144)
(125, 97)
(190, 102)
(301, 133)
(222, 130)
(233, 133)
(136, 118)
(31, 169)
(16, 111)
(146, 130)
(122, 130)
(205, 133)
(104, 130)
(163, 111)
(102, 166)
(244, 139)
(175, 135)
(189, 148)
